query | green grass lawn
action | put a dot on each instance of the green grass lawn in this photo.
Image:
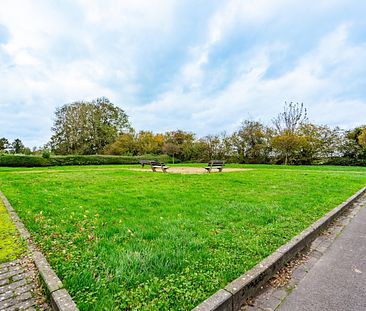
(130, 240)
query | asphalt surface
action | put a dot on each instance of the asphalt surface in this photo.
(338, 280)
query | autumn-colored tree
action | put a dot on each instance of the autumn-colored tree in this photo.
(288, 140)
(288, 145)
(124, 145)
(149, 143)
(362, 138)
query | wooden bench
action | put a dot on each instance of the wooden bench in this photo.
(145, 162)
(215, 164)
(155, 165)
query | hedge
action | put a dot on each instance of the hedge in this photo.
(345, 161)
(37, 161)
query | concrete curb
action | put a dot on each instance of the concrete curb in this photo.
(235, 294)
(60, 298)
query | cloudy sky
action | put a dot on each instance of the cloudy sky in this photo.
(197, 65)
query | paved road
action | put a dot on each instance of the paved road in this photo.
(338, 280)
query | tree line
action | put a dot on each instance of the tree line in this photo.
(15, 147)
(100, 127)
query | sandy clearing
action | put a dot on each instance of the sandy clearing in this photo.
(193, 170)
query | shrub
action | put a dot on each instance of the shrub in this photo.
(46, 154)
(37, 161)
(345, 161)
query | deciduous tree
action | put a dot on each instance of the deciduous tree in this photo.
(252, 142)
(87, 127)
(4, 144)
(288, 141)
(17, 146)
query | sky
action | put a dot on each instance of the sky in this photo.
(198, 65)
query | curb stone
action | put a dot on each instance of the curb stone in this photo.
(248, 284)
(60, 298)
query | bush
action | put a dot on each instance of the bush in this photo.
(46, 154)
(345, 161)
(37, 161)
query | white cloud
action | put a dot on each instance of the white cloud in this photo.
(315, 80)
(58, 52)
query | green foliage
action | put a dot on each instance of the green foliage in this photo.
(362, 138)
(99, 127)
(87, 127)
(37, 161)
(345, 161)
(4, 144)
(131, 240)
(288, 145)
(17, 146)
(178, 144)
(46, 154)
(353, 147)
(252, 142)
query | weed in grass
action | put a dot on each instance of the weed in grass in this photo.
(11, 245)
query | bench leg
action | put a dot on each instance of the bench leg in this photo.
(220, 169)
(164, 170)
(153, 169)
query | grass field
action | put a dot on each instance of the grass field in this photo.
(130, 240)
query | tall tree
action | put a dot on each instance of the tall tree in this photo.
(87, 127)
(289, 146)
(362, 138)
(252, 142)
(292, 117)
(288, 141)
(17, 146)
(4, 144)
(212, 146)
(148, 142)
(320, 142)
(353, 146)
(172, 150)
(124, 145)
(182, 142)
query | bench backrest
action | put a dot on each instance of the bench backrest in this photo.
(145, 162)
(216, 163)
(156, 163)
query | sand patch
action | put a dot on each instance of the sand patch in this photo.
(192, 170)
(174, 170)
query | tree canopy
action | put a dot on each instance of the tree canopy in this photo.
(87, 127)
